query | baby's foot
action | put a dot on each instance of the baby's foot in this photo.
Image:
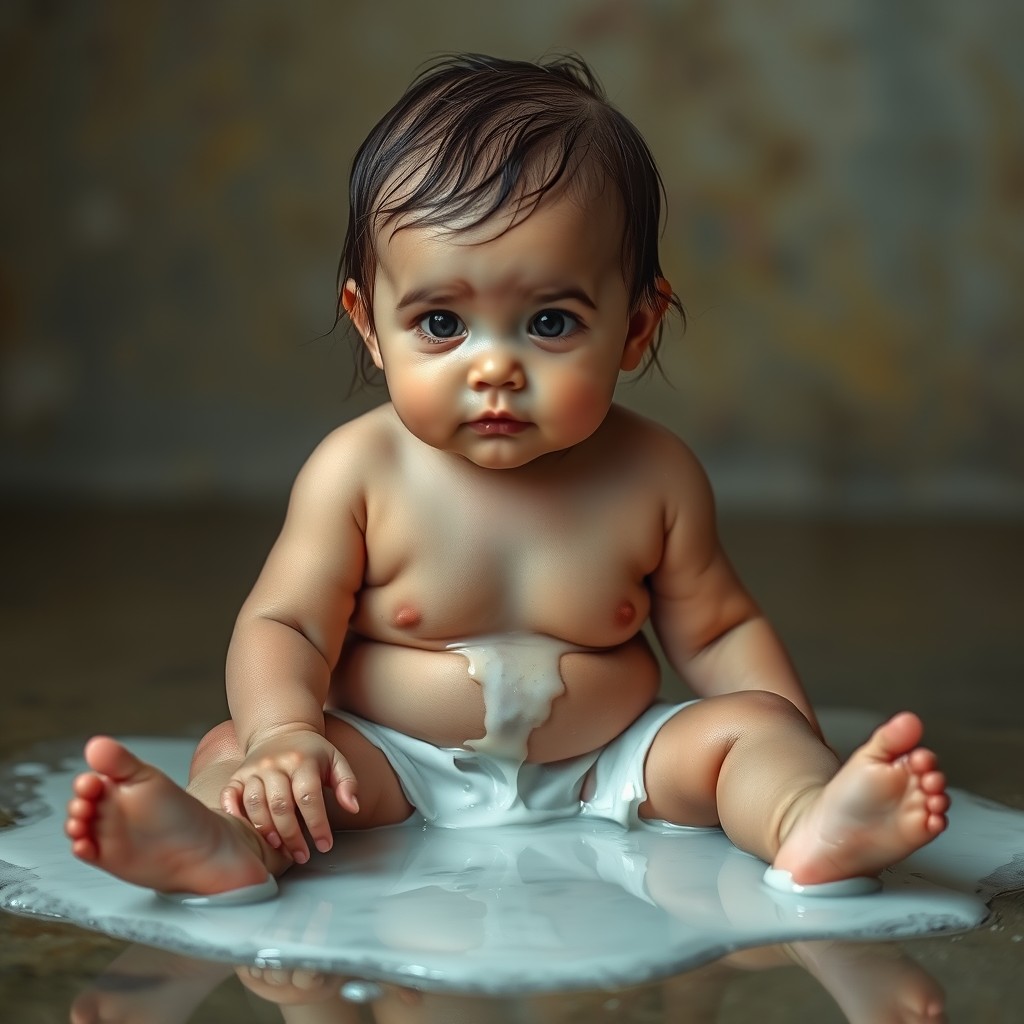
(874, 984)
(888, 800)
(130, 819)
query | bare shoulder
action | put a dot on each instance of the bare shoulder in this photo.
(315, 566)
(671, 475)
(349, 458)
(660, 455)
(363, 439)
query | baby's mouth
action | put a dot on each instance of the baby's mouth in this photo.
(500, 425)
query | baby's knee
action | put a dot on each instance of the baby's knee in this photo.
(719, 722)
(219, 744)
(760, 709)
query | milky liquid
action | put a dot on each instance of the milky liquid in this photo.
(519, 678)
(578, 904)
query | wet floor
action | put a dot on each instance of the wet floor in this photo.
(117, 621)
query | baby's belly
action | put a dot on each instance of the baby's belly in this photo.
(431, 694)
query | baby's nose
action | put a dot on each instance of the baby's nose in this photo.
(496, 367)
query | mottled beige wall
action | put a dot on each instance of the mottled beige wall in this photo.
(845, 184)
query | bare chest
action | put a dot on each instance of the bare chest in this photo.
(463, 564)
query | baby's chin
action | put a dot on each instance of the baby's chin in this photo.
(497, 453)
(503, 461)
(501, 456)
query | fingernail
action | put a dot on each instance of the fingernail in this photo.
(323, 845)
(300, 856)
(274, 839)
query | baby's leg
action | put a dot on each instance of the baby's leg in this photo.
(750, 762)
(130, 819)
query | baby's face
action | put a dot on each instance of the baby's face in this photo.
(505, 347)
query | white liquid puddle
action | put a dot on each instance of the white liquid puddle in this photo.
(578, 904)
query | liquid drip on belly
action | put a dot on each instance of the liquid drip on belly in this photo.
(519, 677)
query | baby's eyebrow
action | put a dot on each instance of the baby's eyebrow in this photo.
(430, 294)
(443, 293)
(558, 294)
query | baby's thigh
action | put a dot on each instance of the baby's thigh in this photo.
(382, 800)
(685, 760)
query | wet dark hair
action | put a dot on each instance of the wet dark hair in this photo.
(473, 135)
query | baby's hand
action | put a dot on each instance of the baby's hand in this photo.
(280, 785)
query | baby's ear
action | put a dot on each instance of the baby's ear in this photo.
(643, 326)
(355, 306)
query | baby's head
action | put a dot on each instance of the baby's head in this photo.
(474, 137)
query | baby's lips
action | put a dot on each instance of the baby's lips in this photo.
(498, 425)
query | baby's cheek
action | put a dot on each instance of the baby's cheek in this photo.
(581, 403)
(417, 404)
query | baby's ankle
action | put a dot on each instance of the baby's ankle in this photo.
(799, 805)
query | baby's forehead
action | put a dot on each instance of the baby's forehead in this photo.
(562, 244)
(456, 223)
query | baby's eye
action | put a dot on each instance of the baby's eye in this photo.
(442, 325)
(552, 323)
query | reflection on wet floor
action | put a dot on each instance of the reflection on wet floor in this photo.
(865, 983)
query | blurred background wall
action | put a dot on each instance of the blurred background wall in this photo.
(846, 228)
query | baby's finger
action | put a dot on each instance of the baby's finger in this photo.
(231, 799)
(254, 800)
(343, 783)
(308, 791)
(278, 788)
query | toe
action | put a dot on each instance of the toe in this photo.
(85, 849)
(922, 761)
(82, 810)
(110, 758)
(897, 737)
(88, 786)
(75, 828)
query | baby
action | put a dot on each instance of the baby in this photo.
(449, 624)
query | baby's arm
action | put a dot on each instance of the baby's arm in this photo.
(287, 638)
(711, 630)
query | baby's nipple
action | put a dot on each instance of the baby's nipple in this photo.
(625, 614)
(407, 616)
